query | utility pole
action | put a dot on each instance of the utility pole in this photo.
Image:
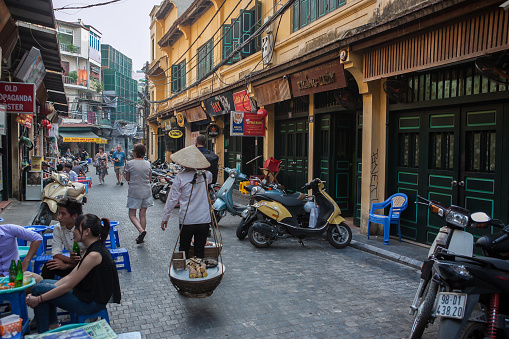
(146, 110)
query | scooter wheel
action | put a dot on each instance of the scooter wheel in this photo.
(339, 236)
(44, 215)
(423, 315)
(259, 240)
(242, 229)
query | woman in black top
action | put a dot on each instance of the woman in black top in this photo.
(89, 287)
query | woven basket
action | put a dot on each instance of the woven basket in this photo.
(196, 288)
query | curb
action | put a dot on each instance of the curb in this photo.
(401, 259)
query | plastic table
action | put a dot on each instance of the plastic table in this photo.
(16, 297)
(38, 229)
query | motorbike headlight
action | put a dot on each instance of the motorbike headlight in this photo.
(64, 180)
(233, 173)
(257, 189)
(457, 219)
(245, 213)
(59, 197)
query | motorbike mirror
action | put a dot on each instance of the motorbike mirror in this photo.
(480, 217)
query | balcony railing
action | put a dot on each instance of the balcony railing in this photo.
(70, 48)
(78, 82)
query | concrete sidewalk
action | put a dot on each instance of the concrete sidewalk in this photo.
(405, 252)
(20, 212)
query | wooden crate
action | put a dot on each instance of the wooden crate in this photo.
(179, 260)
(210, 251)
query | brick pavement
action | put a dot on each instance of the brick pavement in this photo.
(284, 291)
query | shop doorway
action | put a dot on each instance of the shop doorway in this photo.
(451, 155)
(335, 156)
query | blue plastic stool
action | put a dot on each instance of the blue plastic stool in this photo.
(40, 261)
(46, 241)
(114, 225)
(81, 318)
(125, 263)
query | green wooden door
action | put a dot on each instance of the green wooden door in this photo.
(358, 171)
(335, 151)
(292, 149)
(451, 155)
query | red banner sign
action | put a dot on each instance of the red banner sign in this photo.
(19, 97)
(242, 101)
(246, 125)
(25, 120)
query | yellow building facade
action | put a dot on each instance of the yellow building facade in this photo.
(321, 69)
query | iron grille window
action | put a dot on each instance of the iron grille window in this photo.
(205, 58)
(178, 77)
(307, 11)
(441, 151)
(409, 150)
(239, 30)
(480, 151)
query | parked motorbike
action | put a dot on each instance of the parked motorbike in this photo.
(473, 301)
(224, 202)
(84, 165)
(287, 216)
(451, 238)
(60, 188)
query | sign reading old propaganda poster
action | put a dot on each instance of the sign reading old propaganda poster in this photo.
(213, 130)
(242, 101)
(246, 125)
(325, 77)
(25, 120)
(19, 97)
(220, 104)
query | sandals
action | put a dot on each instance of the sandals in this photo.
(140, 238)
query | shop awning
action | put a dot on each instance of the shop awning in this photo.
(81, 137)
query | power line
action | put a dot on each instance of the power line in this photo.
(87, 6)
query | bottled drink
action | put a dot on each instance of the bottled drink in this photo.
(76, 248)
(19, 275)
(12, 271)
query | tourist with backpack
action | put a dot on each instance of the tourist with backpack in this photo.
(209, 155)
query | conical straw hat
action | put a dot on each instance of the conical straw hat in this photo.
(190, 157)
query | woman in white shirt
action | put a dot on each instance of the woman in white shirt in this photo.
(189, 188)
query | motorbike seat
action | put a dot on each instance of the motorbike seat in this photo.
(486, 243)
(76, 190)
(499, 264)
(290, 201)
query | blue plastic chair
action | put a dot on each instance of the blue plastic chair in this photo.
(81, 318)
(398, 203)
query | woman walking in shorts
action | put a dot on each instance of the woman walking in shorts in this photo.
(138, 174)
(102, 164)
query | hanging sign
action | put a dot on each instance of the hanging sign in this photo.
(25, 120)
(325, 77)
(53, 132)
(19, 97)
(175, 133)
(213, 130)
(242, 101)
(220, 104)
(246, 125)
(180, 119)
(3, 111)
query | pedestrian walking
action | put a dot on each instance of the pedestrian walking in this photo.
(88, 288)
(118, 159)
(101, 162)
(190, 190)
(138, 174)
(209, 155)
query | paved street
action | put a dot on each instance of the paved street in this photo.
(284, 291)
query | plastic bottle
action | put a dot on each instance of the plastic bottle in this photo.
(19, 275)
(76, 248)
(12, 271)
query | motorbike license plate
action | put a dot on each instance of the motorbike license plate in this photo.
(451, 305)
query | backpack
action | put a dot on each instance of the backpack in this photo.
(214, 163)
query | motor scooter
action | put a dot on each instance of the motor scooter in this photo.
(54, 191)
(451, 238)
(474, 293)
(224, 197)
(287, 216)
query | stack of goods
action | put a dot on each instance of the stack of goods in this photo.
(197, 268)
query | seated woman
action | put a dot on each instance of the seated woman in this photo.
(89, 287)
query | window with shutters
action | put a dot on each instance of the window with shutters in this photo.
(205, 58)
(178, 77)
(307, 11)
(239, 30)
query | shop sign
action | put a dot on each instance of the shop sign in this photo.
(19, 97)
(322, 78)
(195, 114)
(213, 130)
(175, 133)
(3, 111)
(246, 125)
(220, 104)
(25, 120)
(78, 139)
(242, 101)
(180, 119)
(274, 91)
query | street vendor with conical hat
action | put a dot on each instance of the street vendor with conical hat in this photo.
(189, 188)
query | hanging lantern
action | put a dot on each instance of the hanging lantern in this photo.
(47, 109)
(262, 113)
(44, 123)
(48, 127)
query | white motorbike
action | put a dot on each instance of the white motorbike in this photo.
(55, 191)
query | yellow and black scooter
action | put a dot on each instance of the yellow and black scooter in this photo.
(281, 217)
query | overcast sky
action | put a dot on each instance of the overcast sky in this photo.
(124, 25)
